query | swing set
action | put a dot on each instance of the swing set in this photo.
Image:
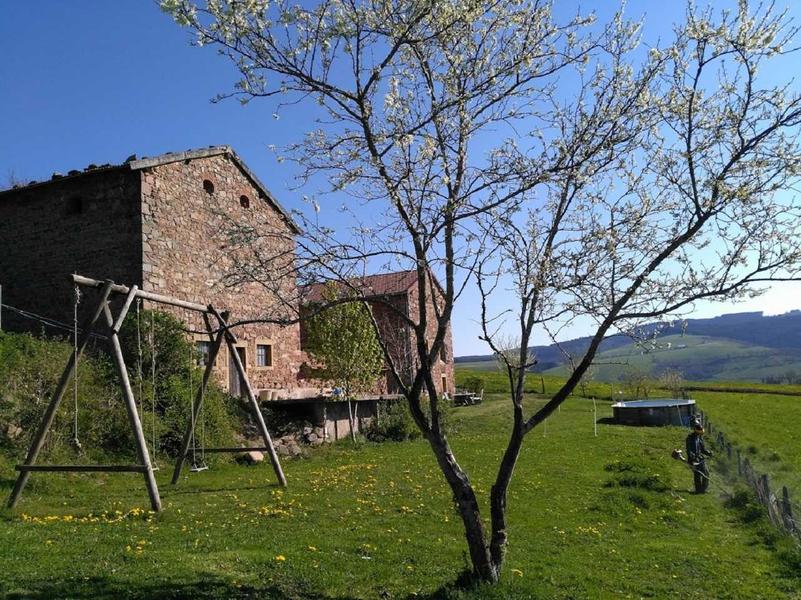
(222, 334)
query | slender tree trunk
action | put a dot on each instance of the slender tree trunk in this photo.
(498, 494)
(350, 415)
(467, 503)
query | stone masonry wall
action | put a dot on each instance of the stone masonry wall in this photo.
(441, 368)
(396, 336)
(87, 224)
(185, 254)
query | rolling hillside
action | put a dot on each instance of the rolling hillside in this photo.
(742, 346)
(698, 358)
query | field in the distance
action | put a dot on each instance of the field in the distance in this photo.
(590, 517)
(698, 357)
(763, 420)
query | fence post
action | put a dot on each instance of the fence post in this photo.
(728, 451)
(788, 510)
(739, 463)
(764, 485)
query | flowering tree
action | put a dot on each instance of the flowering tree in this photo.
(697, 208)
(488, 138)
(342, 339)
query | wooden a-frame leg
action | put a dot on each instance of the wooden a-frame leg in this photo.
(142, 454)
(230, 340)
(58, 394)
(198, 403)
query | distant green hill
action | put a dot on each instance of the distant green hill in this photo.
(740, 346)
(698, 358)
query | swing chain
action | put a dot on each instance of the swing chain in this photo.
(202, 466)
(75, 441)
(139, 355)
(154, 441)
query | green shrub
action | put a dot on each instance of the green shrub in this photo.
(395, 423)
(744, 503)
(30, 368)
(177, 377)
(639, 475)
(474, 384)
(29, 371)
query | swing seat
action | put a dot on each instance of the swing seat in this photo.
(197, 468)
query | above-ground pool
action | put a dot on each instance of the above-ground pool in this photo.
(655, 412)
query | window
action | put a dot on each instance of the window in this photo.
(444, 384)
(203, 350)
(244, 201)
(208, 186)
(75, 205)
(264, 355)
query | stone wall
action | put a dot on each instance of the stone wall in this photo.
(443, 369)
(337, 419)
(186, 252)
(87, 224)
(399, 339)
(159, 228)
(396, 335)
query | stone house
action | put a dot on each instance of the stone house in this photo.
(163, 223)
(159, 223)
(393, 296)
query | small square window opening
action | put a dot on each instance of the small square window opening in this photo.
(264, 355)
(203, 351)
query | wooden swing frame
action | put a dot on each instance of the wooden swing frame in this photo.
(216, 337)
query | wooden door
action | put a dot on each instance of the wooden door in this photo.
(236, 386)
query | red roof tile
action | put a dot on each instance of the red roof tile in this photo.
(382, 284)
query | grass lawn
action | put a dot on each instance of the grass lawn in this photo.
(765, 428)
(590, 517)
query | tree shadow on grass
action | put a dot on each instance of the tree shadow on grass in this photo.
(171, 490)
(100, 588)
(213, 588)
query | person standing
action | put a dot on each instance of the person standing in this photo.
(696, 457)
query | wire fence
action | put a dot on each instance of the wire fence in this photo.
(781, 509)
(46, 321)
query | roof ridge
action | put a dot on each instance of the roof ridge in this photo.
(135, 164)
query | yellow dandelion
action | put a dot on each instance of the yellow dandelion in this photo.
(517, 572)
(280, 558)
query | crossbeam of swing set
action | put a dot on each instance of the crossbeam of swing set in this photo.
(145, 295)
(107, 288)
(224, 334)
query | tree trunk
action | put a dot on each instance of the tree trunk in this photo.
(350, 421)
(465, 498)
(498, 494)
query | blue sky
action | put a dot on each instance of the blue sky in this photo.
(93, 81)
